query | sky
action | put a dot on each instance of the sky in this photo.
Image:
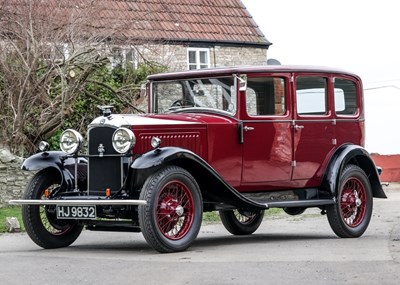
(359, 36)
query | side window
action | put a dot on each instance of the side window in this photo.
(345, 97)
(198, 58)
(265, 96)
(311, 95)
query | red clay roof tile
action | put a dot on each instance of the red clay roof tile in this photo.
(173, 20)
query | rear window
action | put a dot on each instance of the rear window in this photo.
(345, 97)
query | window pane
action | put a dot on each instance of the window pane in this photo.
(345, 97)
(171, 92)
(203, 57)
(311, 95)
(192, 56)
(265, 96)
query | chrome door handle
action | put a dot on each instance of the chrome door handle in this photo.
(247, 129)
(298, 127)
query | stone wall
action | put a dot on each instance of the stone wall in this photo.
(176, 58)
(234, 56)
(12, 179)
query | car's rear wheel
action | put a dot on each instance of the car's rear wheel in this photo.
(171, 219)
(41, 222)
(351, 214)
(239, 222)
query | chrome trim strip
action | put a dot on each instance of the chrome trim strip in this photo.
(331, 121)
(267, 121)
(77, 202)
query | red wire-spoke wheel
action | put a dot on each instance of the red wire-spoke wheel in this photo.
(353, 202)
(239, 222)
(351, 214)
(175, 210)
(171, 219)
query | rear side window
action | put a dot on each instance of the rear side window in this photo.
(311, 95)
(265, 96)
(345, 97)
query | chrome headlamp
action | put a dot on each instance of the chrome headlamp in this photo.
(123, 140)
(44, 146)
(155, 142)
(70, 141)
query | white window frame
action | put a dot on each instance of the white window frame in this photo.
(198, 63)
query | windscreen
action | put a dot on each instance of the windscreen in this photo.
(218, 94)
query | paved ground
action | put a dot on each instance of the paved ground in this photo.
(285, 250)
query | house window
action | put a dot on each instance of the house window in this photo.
(198, 58)
(123, 57)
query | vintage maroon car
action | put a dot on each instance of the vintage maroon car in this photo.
(234, 140)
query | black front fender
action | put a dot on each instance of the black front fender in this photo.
(52, 159)
(352, 154)
(152, 161)
(213, 187)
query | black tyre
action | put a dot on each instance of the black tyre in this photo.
(351, 214)
(241, 222)
(171, 219)
(40, 222)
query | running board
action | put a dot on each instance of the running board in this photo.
(78, 202)
(301, 204)
(295, 198)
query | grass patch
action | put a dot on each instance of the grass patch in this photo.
(14, 211)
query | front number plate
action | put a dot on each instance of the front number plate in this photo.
(76, 212)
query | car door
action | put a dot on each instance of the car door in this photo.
(267, 132)
(313, 126)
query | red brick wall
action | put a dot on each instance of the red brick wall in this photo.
(390, 165)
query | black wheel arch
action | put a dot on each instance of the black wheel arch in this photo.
(56, 160)
(212, 186)
(351, 154)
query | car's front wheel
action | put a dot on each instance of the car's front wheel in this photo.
(41, 222)
(351, 214)
(171, 219)
(239, 222)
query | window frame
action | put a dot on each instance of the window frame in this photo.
(358, 103)
(197, 52)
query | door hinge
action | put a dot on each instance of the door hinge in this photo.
(294, 163)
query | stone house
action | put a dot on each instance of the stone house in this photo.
(186, 34)
(179, 34)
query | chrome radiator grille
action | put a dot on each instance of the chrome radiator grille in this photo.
(103, 172)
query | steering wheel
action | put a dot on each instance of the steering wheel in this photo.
(182, 102)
